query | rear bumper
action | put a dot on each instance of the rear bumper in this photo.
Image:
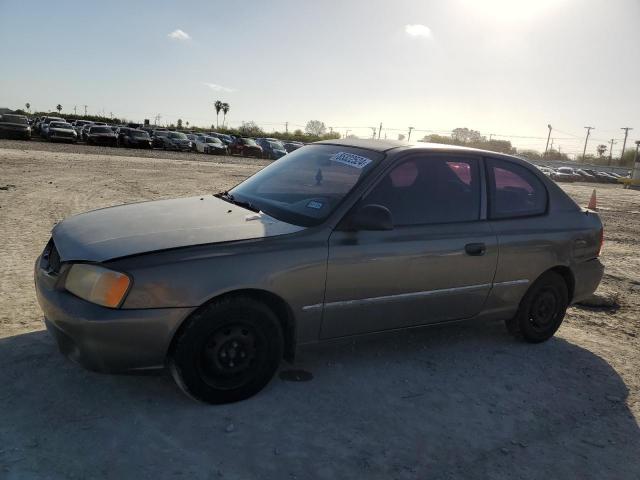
(104, 339)
(587, 276)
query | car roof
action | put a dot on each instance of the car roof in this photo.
(386, 145)
(368, 143)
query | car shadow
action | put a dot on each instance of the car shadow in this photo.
(454, 401)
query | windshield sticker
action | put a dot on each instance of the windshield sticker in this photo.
(314, 204)
(350, 159)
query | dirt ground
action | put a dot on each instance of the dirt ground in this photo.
(458, 401)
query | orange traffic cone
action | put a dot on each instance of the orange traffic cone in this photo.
(593, 202)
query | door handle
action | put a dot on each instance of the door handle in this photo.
(475, 249)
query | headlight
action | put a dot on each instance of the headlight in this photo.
(97, 284)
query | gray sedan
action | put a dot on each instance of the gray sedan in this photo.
(338, 238)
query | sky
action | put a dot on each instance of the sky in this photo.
(503, 67)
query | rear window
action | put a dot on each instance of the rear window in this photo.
(514, 191)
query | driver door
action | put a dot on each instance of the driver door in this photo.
(436, 264)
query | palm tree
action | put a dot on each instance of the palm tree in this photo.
(218, 107)
(28, 106)
(601, 149)
(225, 110)
(187, 124)
(59, 108)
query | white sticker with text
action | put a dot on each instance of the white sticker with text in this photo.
(350, 159)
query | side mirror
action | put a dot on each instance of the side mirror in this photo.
(371, 217)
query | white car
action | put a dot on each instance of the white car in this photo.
(44, 126)
(207, 144)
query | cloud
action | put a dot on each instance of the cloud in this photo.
(418, 30)
(178, 34)
(218, 88)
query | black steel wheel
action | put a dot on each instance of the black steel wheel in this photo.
(227, 351)
(541, 310)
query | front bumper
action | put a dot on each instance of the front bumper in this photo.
(109, 141)
(104, 339)
(215, 150)
(15, 133)
(139, 144)
(62, 138)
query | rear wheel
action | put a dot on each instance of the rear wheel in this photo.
(541, 310)
(228, 351)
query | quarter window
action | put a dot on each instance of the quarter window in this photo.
(514, 191)
(430, 190)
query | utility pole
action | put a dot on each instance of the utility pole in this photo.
(286, 127)
(624, 144)
(635, 175)
(380, 131)
(373, 129)
(490, 136)
(85, 110)
(612, 141)
(74, 110)
(346, 134)
(409, 136)
(548, 137)
(584, 151)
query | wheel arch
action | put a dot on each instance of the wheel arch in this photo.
(277, 304)
(568, 277)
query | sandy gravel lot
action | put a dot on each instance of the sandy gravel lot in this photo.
(461, 401)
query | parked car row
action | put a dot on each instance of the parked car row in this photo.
(57, 129)
(569, 174)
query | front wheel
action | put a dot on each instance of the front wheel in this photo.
(541, 310)
(228, 351)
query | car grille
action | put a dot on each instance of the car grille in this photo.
(51, 258)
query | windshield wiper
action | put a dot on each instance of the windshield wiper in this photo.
(227, 197)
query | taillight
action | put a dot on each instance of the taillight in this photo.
(601, 241)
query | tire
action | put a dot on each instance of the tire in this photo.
(541, 310)
(228, 351)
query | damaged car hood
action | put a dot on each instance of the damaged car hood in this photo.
(137, 228)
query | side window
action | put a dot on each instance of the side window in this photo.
(429, 190)
(514, 191)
